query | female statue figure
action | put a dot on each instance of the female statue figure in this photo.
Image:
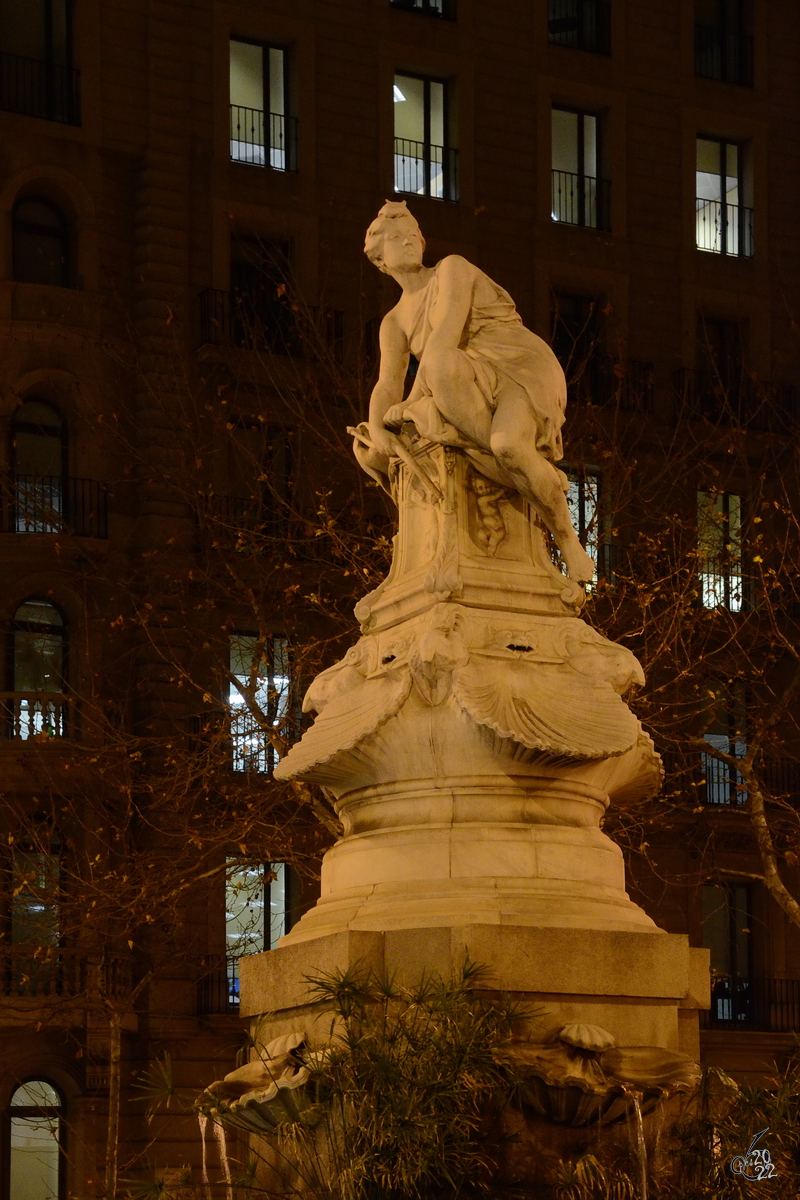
(484, 382)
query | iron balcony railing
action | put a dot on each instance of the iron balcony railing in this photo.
(723, 228)
(54, 972)
(721, 785)
(431, 8)
(257, 322)
(581, 24)
(422, 169)
(263, 139)
(764, 1005)
(54, 504)
(40, 715)
(722, 55)
(217, 989)
(581, 200)
(39, 89)
(626, 383)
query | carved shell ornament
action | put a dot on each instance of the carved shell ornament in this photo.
(568, 705)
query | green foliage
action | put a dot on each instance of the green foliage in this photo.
(406, 1089)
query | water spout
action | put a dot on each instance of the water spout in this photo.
(202, 1121)
(641, 1147)
(219, 1134)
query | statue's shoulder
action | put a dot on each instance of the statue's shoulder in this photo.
(456, 264)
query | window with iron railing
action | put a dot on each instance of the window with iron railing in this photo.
(425, 163)
(722, 48)
(37, 78)
(262, 131)
(37, 707)
(727, 734)
(719, 550)
(581, 24)
(723, 210)
(726, 924)
(579, 195)
(430, 8)
(258, 698)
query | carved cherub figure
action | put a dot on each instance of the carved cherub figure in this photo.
(484, 382)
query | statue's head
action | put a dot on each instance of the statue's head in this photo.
(390, 216)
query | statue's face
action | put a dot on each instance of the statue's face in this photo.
(402, 246)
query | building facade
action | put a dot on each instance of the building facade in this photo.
(184, 189)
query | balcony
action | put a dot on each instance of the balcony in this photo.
(422, 169)
(254, 322)
(581, 200)
(723, 228)
(53, 504)
(55, 973)
(217, 989)
(39, 89)
(262, 139)
(626, 383)
(39, 716)
(714, 783)
(722, 55)
(706, 396)
(430, 8)
(759, 1005)
(580, 24)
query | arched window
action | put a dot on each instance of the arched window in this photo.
(39, 655)
(36, 1159)
(39, 455)
(41, 243)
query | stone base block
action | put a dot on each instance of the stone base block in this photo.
(643, 987)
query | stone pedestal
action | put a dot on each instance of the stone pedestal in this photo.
(472, 740)
(644, 988)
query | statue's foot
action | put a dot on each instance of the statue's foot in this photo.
(579, 564)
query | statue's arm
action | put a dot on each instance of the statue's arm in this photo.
(453, 304)
(388, 391)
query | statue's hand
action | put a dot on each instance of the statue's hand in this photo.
(382, 439)
(393, 417)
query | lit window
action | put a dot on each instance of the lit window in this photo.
(719, 548)
(583, 499)
(256, 913)
(727, 733)
(723, 216)
(579, 196)
(260, 668)
(262, 132)
(41, 250)
(38, 704)
(424, 162)
(36, 1150)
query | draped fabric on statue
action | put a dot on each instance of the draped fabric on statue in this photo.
(505, 357)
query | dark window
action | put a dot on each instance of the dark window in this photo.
(259, 678)
(41, 243)
(260, 473)
(36, 1143)
(431, 8)
(264, 315)
(36, 74)
(727, 733)
(425, 163)
(263, 133)
(37, 706)
(723, 48)
(724, 213)
(39, 454)
(579, 195)
(726, 915)
(581, 24)
(34, 893)
(576, 331)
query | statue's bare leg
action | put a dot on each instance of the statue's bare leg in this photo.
(513, 443)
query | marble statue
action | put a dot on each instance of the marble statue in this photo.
(484, 382)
